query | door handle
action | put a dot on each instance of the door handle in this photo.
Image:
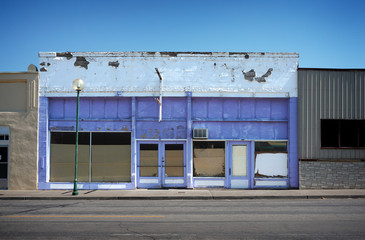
(229, 172)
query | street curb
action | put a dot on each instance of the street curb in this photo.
(186, 197)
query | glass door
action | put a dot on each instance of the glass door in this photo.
(173, 165)
(239, 165)
(3, 167)
(161, 165)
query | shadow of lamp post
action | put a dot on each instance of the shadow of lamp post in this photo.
(77, 85)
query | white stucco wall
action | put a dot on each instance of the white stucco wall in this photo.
(204, 74)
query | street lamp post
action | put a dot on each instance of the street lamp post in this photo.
(78, 85)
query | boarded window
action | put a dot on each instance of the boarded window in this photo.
(209, 158)
(63, 157)
(109, 161)
(271, 159)
(111, 157)
(13, 96)
(342, 133)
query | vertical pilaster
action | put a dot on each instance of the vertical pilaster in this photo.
(43, 140)
(134, 145)
(293, 143)
(189, 155)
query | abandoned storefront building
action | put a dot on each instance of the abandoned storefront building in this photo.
(169, 120)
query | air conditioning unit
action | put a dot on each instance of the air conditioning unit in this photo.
(200, 133)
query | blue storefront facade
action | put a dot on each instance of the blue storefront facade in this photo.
(169, 120)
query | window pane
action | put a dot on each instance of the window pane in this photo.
(239, 160)
(4, 154)
(209, 159)
(174, 160)
(271, 159)
(63, 157)
(362, 133)
(148, 160)
(271, 146)
(3, 170)
(329, 133)
(271, 165)
(348, 133)
(111, 157)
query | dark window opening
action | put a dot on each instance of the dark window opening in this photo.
(342, 133)
(271, 146)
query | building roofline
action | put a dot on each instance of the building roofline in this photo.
(333, 69)
(168, 54)
(5, 73)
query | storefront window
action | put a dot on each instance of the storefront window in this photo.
(271, 159)
(63, 157)
(109, 161)
(209, 158)
(111, 157)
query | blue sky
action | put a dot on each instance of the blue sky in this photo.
(326, 33)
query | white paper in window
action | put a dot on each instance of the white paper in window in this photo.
(271, 165)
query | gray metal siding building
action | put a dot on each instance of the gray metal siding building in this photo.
(331, 124)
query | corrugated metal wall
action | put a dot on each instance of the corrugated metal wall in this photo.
(328, 94)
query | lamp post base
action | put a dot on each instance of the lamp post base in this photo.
(75, 192)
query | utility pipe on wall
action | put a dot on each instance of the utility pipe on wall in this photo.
(160, 98)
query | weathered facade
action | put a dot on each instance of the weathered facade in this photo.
(169, 119)
(19, 129)
(331, 115)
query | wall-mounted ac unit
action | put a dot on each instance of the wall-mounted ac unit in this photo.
(200, 133)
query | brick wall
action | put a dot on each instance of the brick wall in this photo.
(331, 174)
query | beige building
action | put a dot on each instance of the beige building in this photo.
(19, 129)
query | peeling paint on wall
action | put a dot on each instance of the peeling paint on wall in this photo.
(204, 74)
(44, 64)
(68, 55)
(114, 64)
(43, 69)
(249, 75)
(81, 62)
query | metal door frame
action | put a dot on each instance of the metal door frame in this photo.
(6, 145)
(160, 180)
(229, 162)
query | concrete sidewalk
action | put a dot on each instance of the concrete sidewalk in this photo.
(174, 194)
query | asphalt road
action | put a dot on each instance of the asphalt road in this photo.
(183, 219)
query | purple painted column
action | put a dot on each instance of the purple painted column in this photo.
(189, 158)
(43, 142)
(134, 145)
(293, 143)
